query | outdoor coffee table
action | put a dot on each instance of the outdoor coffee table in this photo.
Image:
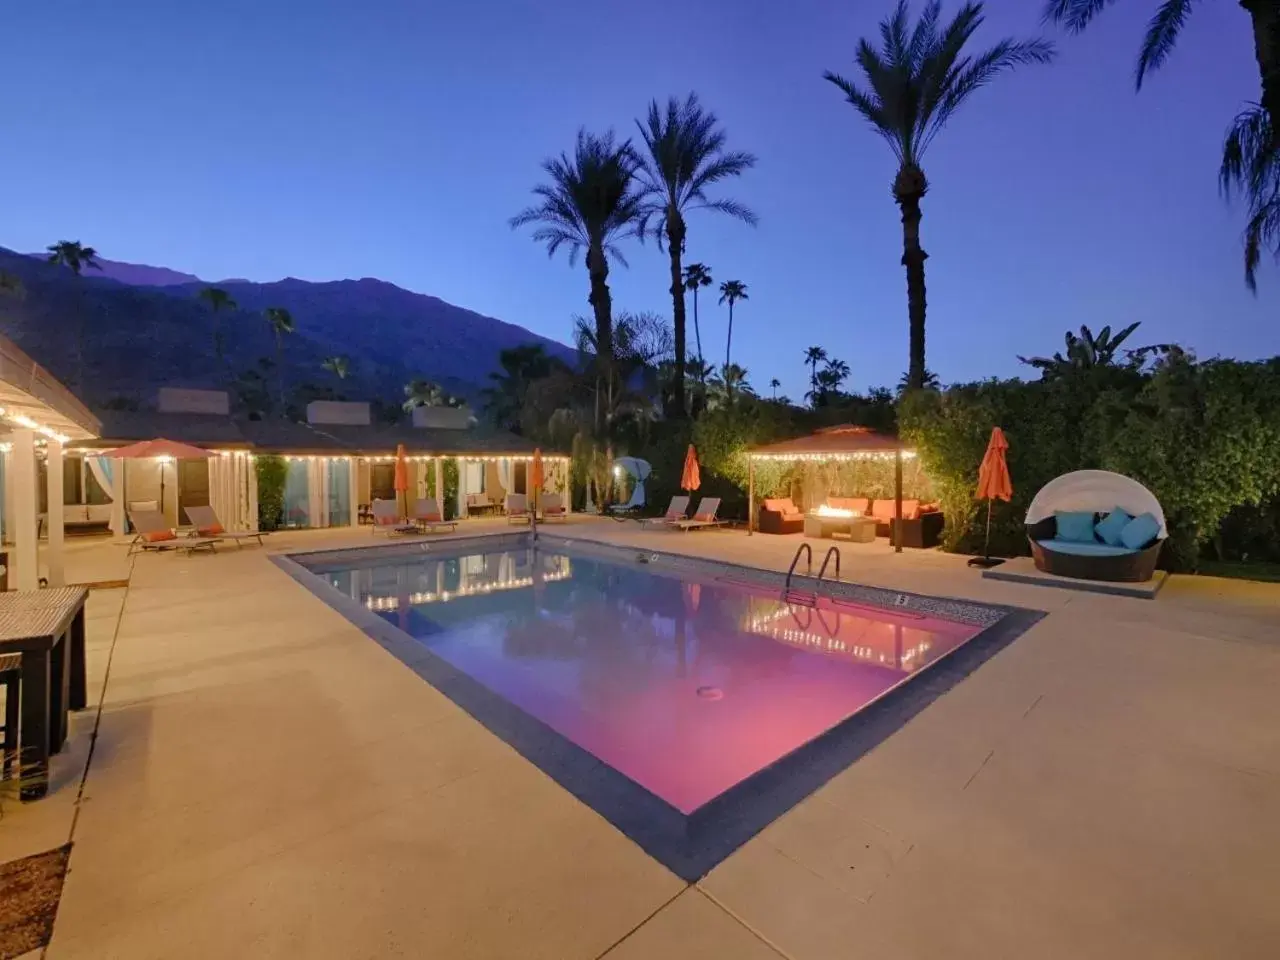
(47, 628)
(856, 529)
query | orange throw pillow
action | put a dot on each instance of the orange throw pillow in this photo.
(211, 531)
(160, 535)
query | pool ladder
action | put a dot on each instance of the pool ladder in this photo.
(809, 599)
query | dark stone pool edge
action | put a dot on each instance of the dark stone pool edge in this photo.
(688, 845)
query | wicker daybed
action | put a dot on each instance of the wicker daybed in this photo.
(1098, 492)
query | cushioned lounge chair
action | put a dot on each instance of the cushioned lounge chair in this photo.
(553, 507)
(518, 508)
(428, 517)
(387, 519)
(205, 520)
(1097, 492)
(676, 511)
(703, 517)
(155, 535)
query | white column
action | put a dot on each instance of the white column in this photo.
(353, 482)
(117, 497)
(251, 490)
(462, 489)
(54, 559)
(7, 530)
(24, 513)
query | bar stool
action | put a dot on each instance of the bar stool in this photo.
(10, 679)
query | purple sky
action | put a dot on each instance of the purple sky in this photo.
(268, 138)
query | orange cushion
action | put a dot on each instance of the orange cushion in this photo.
(857, 504)
(704, 517)
(885, 509)
(780, 505)
(159, 536)
(431, 518)
(210, 531)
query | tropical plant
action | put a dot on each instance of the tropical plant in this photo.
(774, 384)
(590, 204)
(915, 83)
(728, 386)
(696, 276)
(217, 300)
(731, 291)
(339, 366)
(505, 399)
(838, 371)
(814, 356)
(685, 154)
(1084, 351)
(76, 257)
(1251, 168)
(425, 393)
(931, 381)
(281, 322)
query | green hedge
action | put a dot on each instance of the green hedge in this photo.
(272, 471)
(1203, 437)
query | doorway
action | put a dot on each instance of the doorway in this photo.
(520, 477)
(382, 481)
(193, 487)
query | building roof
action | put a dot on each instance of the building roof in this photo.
(303, 439)
(30, 394)
(847, 441)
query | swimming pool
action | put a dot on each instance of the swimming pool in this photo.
(677, 686)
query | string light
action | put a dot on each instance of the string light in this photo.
(836, 457)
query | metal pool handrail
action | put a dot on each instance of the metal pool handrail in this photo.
(831, 552)
(803, 548)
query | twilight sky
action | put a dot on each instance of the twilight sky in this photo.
(271, 138)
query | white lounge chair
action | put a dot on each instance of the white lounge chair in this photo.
(429, 517)
(154, 533)
(675, 513)
(387, 519)
(518, 508)
(704, 516)
(206, 522)
(553, 507)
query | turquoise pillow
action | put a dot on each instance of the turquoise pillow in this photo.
(1140, 531)
(1110, 526)
(1075, 526)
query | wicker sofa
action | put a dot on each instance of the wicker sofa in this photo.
(780, 515)
(921, 523)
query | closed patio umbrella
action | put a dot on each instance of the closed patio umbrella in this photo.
(162, 450)
(993, 484)
(690, 476)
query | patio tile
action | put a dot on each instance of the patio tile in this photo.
(692, 927)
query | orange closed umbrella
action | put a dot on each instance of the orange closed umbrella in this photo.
(993, 484)
(690, 476)
(402, 480)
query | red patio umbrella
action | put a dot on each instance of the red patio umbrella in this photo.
(690, 476)
(402, 480)
(162, 450)
(993, 484)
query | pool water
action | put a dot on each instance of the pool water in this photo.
(686, 687)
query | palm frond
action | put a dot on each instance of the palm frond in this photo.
(1162, 35)
(1251, 169)
(1075, 15)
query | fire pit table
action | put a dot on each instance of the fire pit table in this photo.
(826, 525)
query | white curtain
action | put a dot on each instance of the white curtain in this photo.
(101, 467)
(504, 475)
(222, 491)
(318, 491)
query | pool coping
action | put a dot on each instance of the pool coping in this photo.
(688, 845)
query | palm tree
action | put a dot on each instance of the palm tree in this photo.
(731, 291)
(339, 366)
(1166, 26)
(521, 367)
(697, 275)
(1084, 351)
(217, 300)
(915, 82)
(75, 256)
(685, 155)
(591, 204)
(281, 322)
(424, 393)
(774, 384)
(839, 371)
(814, 356)
(1251, 167)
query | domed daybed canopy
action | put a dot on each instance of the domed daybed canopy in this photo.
(1123, 548)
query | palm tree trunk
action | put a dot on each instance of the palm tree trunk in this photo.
(1265, 15)
(675, 244)
(728, 340)
(602, 306)
(697, 331)
(908, 189)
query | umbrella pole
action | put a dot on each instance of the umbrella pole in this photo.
(985, 561)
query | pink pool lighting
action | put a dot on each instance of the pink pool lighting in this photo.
(687, 689)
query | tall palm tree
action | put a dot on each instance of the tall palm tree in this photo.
(1166, 26)
(814, 356)
(685, 154)
(1251, 167)
(731, 291)
(839, 371)
(339, 366)
(591, 203)
(915, 82)
(76, 257)
(697, 275)
(217, 300)
(774, 384)
(281, 322)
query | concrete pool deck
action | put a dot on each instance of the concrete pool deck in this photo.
(268, 782)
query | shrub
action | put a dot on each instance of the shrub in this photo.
(272, 472)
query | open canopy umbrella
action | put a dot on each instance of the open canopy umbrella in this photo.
(993, 484)
(162, 450)
(690, 476)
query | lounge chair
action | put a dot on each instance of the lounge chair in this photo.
(387, 519)
(675, 513)
(518, 508)
(704, 516)
(553, 507)
(428, 516)
(206, 523)
(154, 533)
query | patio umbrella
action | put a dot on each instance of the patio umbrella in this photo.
(993, 484)
(162, 450)
(690, 476)
(402, 480)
